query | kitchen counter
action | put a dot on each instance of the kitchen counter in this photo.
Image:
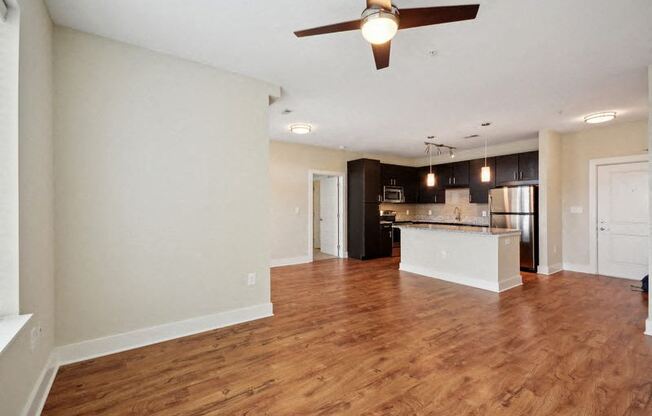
(481, 257)
(469, 229)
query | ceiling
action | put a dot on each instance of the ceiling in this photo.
(523, 65)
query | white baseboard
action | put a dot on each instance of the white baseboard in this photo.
(98, 347)
(648, 327)
(497, 287)
(289, 261)
(548, 270)
(580, 268)
(41, 389)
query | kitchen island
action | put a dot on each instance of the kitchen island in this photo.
(482, 257)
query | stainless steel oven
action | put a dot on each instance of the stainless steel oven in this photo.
(393, 194)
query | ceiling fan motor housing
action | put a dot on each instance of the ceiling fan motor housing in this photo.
(378, 24)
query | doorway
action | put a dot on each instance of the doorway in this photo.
(326, 220)
(621, 221)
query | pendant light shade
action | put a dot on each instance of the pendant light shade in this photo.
(485, 174)
(430, 180)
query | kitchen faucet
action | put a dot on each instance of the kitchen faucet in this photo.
(457, 213)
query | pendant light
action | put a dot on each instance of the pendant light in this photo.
(430, 179)
(485, 173)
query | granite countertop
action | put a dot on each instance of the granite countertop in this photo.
(468, 229)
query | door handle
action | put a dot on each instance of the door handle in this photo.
(603, 229)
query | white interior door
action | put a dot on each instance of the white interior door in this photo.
(328, 210)
(623, 218)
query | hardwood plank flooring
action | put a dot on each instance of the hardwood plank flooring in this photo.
(362, 338)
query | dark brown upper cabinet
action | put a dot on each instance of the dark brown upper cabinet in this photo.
(430, 195)
(517, 168)
(364, 180)
(453, 175)
(403, 176)
(478, 190)
(528, 165)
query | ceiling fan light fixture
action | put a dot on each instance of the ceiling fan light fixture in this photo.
(600, 117)
(379, 26)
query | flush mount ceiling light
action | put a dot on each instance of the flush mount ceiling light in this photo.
(600, 117)
(300, 128)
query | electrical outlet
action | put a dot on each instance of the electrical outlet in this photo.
(297, 210)
(444, 254)
(484, 213)
(429, 212)
(407, 212)
(251, 279)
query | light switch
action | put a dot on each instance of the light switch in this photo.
(576, 210)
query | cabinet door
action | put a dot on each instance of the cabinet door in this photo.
(426, 193)
(386, 234)
(460, 174)
(443, 175)
(371, 180)
(528, 166)
(478, 190)
(389, 174)
(506, 169)
(371, 231)
(409, 180)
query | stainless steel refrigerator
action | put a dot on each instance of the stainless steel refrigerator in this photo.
(516, 207)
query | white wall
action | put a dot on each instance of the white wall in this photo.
(550, 179)
(162, 188)
(9, 51)
(577, 149)
(289, 167)
(20, 367)
(649, 144)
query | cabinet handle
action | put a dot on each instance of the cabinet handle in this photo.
(449, 180)
(514, 175)
(521, 175)
(454, 181)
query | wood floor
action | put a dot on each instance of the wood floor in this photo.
(354, 338)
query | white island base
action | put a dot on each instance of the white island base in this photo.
(481, 257)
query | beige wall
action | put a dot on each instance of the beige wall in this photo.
(618, 139)
(289, 167)
(550, 204)
(20, 366)
(162, 188)
(649, 144)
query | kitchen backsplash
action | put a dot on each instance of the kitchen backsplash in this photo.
(471, 213)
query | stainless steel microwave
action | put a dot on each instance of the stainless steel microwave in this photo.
(393, 194)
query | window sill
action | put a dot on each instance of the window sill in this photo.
(10, 326)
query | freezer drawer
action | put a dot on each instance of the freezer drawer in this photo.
(526, 223)
(514, 200)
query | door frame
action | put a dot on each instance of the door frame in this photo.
(341, 205)
(593, 199)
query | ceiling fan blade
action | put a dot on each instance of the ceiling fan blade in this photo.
(385, 4)
(381, 54)
(322, 30)
(426, 16)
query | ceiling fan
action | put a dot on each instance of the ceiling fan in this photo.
(381, 20)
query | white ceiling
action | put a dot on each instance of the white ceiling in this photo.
(522, 64)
